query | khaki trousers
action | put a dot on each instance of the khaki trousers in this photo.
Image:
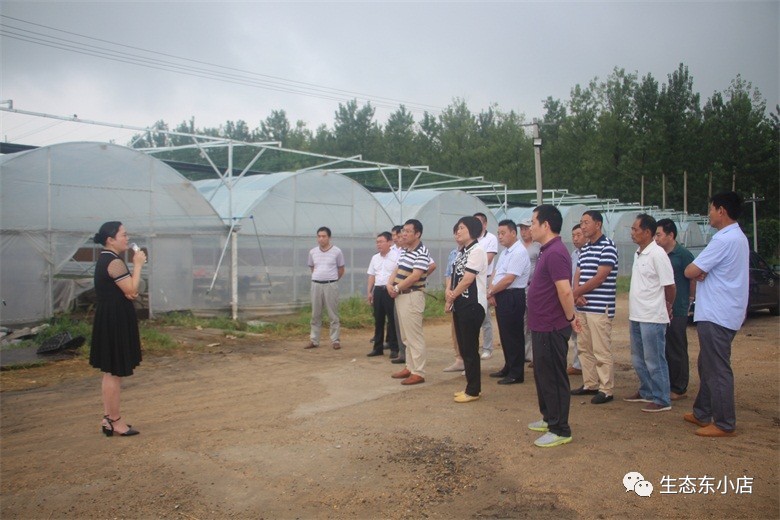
(410, 308)
(595, 351)
(324, 296)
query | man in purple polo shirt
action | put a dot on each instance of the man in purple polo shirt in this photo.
(551, 318)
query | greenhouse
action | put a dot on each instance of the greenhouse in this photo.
(239, 240)
(438, 211)
(275, 219)
(55, 198)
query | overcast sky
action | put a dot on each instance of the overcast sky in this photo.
(514, 54)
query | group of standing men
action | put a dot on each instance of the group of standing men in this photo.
(564, 295)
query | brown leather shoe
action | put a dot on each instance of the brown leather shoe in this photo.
(413, 379)
(574, 371)
(676, 397)
(336, 345)
(403, 374)
(689, 417)
(713, 431)
(311, 345)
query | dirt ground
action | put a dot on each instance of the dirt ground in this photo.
(253, 428)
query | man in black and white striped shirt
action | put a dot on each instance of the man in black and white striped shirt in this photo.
(406, 286)
(595, 288)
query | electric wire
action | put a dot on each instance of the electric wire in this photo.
(271, 83)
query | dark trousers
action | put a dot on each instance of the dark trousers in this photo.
(510, 307)
(552, 383)
(715, 399)
(468, 322)
(677, 354)
(384, 309)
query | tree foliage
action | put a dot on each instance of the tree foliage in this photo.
(611, 137)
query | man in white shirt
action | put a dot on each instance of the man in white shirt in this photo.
(398, 357)
(578, 240)
(326, 262)
(650, 302)
(379, 270)
(532, 248)
(489, 244)
(506, 293)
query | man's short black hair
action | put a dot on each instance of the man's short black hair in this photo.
(575, 228)
(386, 235)
(397, 229)
(508, 223)
(481, 215)
(416, 225)
(595, 215)
(325, 229)
(550, 214)
(668, 225)
(647, 222)
(730, 201)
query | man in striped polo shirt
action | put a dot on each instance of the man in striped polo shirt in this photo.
(595, 287)
(406, 286)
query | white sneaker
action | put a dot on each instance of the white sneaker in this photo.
(487, 354)
(549, 440)
(455, 367)
(538, 426)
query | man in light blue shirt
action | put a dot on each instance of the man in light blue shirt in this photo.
(722, 271)
(507, 294)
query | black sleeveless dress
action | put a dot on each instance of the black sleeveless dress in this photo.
(116, 345)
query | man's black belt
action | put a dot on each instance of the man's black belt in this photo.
(324, 281)
(381, 287)
(407, 291)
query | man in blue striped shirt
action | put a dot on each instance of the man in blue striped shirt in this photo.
(595, 287)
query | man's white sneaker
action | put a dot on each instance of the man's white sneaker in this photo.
(549, 439)
(538, 426)
(455, 367)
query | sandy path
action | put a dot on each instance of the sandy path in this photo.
(257, 429)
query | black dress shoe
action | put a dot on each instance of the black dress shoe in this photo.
(601, 398)
(393, 354)
(584, 391)
(510, 381)
(399, 360)
(500, 373)
(375, 353)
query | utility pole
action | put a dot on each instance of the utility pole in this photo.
(754, 199)
(663, 192)
(538, 161)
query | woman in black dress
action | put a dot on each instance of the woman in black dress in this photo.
(116, 346)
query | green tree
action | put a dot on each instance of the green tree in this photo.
(399, 138)
(458, 126)
(680, 116)
(355, 132)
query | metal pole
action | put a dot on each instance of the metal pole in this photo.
(642, 193)
(538, 162)
(663, 192)
(755, 225)
(685, 191)
(234, 275)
